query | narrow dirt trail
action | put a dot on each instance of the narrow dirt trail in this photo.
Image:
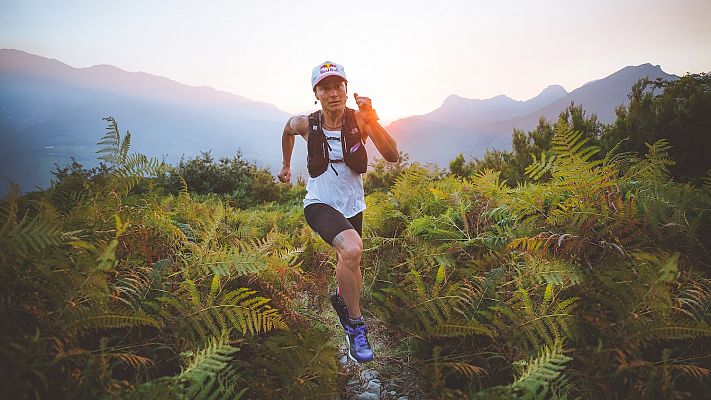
(387, 377)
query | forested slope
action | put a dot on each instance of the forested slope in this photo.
(587, 277)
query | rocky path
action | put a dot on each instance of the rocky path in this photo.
(388, 377)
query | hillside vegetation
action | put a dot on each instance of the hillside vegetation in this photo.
(584, 275)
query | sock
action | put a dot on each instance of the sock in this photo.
(338, 290)
(358, 320)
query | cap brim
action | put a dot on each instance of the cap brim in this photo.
(326, 75)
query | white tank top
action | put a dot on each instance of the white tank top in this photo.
(344, 191)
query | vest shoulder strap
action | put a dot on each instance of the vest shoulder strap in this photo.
(314, 121)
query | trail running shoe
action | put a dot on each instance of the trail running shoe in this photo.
(358, 347)
(340, 306)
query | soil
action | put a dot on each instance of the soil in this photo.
(390, 376)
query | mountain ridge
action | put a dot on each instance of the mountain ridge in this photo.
(112, 78)
(481, 128)
(50, 111)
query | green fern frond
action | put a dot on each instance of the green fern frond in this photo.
(434, 229)
(110, 143)
(568, 143)
(467, 370)
(138, 287)
(674, 332)
(707, 180)
(210, 373)
(536, 323)
(552, 271)
(228, 261)
(654, 167)
(538, 168)
(540, 372)
(542, 377)
(29, 234)
(86, 320)
(133, 360)
(128, 169)
(488, 183)
(466, 328)
(411, 191)
(184, 192)
(210, 360)
(439, 311)
(694, 371)
(237, 311)
(123, 150)
(186, 229)
(133, 168)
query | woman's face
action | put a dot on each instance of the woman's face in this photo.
(331, 92)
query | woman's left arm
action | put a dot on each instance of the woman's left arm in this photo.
(367, 121)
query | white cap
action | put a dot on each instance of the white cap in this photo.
(326, 68)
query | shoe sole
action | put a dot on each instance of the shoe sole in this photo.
(348, 343)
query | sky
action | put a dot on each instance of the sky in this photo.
(408, 56)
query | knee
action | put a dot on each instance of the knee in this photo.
(350, 251)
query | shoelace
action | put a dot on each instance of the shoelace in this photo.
(359, 331)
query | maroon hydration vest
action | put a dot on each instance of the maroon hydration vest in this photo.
(354, 154)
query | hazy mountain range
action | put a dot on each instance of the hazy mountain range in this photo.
(50, 111)
(470, 126)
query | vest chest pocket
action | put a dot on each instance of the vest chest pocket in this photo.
(317, 154)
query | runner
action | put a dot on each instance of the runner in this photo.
(334, 202)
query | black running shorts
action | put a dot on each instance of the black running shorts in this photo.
(329, 222)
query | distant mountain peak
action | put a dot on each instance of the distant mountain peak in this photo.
(554, 89)
(642, 70)
(642, 67)
(453, 98)
(456, 100)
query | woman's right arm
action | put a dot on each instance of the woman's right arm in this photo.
(297, 125)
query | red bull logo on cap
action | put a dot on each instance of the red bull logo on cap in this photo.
(328, 68)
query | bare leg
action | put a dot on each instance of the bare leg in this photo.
(349, 249)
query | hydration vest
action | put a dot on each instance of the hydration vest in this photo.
(318, 145)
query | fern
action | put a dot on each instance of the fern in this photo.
(432, 228)
(488, 183)
(138, 287)
(134, 168)
(202, 316)
(541, 377)
(184, 193)
(210, 373)
(707, 180)
(654, 167)
(538, 325)
(30, 234)
(437, 312)
(110, 144)
(466, 370)
(108, 319)
(671, 333)
(227, 261)
(568, 143)
(410, 190)
(128, 169)
(540, 372)
(538, 168)
(288, 366)
(553, 272)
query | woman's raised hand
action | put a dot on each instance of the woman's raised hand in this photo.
(364, 103)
